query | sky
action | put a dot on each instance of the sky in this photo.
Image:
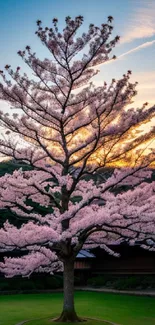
(133, 20)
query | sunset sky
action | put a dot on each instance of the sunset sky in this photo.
(134, 21)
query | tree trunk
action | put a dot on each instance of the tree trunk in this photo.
(68, 314)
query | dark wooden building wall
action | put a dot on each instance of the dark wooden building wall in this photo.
(133, 260)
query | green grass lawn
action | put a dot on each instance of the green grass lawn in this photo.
(121, 309)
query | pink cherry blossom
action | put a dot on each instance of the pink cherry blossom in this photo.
(70, 133)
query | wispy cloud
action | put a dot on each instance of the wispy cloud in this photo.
(137, 48)
(145, 87)
(141, 23)
(146, 81)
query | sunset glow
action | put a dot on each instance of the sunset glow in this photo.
(134, 51)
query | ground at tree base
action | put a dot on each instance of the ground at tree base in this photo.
(69, 317)
(88, 321)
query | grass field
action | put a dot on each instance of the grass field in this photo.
(120, 309)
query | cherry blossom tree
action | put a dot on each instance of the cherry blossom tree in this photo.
(67, 130)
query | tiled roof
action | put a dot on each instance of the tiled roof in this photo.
(85, 254)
